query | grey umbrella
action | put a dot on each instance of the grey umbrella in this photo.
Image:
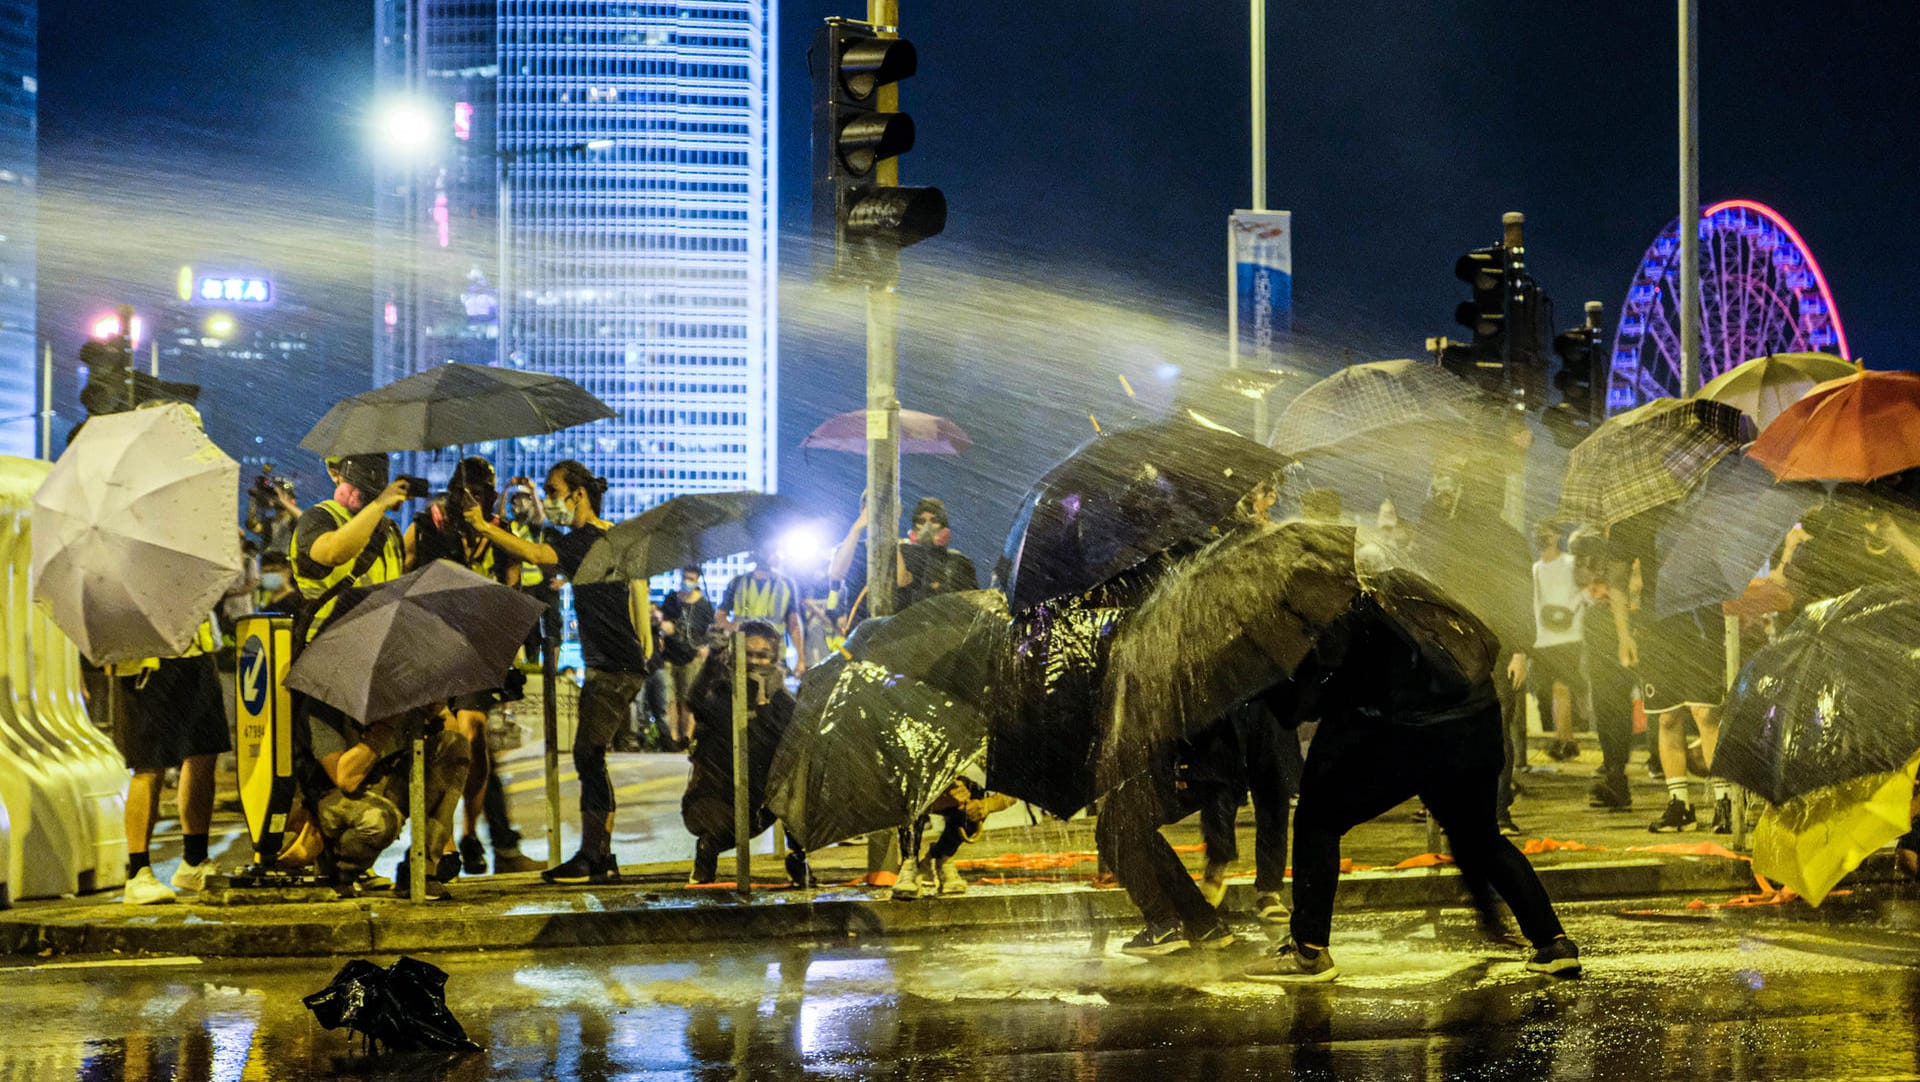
(426, 636)
(451, 405)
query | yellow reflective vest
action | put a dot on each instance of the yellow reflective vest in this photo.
(388, 565)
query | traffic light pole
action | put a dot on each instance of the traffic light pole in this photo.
(883, 363)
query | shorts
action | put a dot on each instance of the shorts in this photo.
(1682, 663)
(681, 677)
(1550, 665)
(176, 714)
(606, 705)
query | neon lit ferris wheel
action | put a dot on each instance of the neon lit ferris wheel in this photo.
(1761, 292)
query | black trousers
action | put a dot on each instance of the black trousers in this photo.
(493, 805)
(1130, 843)
(1271, 761)
(1610, 698)
(1360, 768)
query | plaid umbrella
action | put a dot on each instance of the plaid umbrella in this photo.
(1366, 398)
(1646, 458)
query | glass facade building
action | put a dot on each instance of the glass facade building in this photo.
(19, 134)
(634, 147)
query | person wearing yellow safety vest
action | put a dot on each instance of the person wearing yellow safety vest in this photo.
(615, 650)
(528, 524)
(174, 718)
(765, 594)
(349, 541)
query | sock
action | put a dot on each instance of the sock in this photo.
(135, 862)
(1720, 791)
(1677, 790)
(196, 846)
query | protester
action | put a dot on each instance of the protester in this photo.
(1432, 731)
(610, 616)
(932, 566)
(1551, 669)
(1610, 686)
(277, 592)
(963, 810)
(707, 807)
(242, 597)
(442, 532)
(173, 717)
(1680, 663)
(690, 615)
(1177, 783)
(764, 594)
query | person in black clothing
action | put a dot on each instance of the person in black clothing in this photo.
(707, 806)
(1190, 777)
(611, 615)
(1403, 685)
(688, 613)
(929, 566)
(1610, 686)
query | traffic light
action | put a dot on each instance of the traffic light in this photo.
(1504, 356)
(860, 213)
(1583, 372)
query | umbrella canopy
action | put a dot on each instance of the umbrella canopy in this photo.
(1720, 536)
(1832, 699)
(427, 636)
(920, 434)
(1859, 428)
(402, 1007)
(1764, 387)
(882, 728)
(1122, 497)
(1218, 629)
(453, 404)
(1366, 398)
(690, 529)
(1645, 458)
(133, 534)
(1811, 842)
(1230, 397)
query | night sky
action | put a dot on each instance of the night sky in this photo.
(1399, 134)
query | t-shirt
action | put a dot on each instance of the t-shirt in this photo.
(935, 570)
(749, 598)
(1554, 583)
(436, 542)
(608, 640)
(316, 522)
(690, 620)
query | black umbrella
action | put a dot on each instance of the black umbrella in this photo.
(882, 729)
(1719, 537)
(450, 405)
(1219, 628)
(402, 1007)
(690, 529)
(1832, 699)
(426, 636)
(1121, 498)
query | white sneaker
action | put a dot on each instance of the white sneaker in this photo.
(144, 889)
(907, 887)
(192, 877)
(1213, 890)
(951, 881)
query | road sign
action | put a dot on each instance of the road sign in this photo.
(264, 725)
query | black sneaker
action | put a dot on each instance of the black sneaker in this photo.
(579, 868)
(1723, 815)
(1559, 958)
(473, 856)
(1611, 794)
(606, 870)
(1291, 963)
(797, 871)
(447, 868)
(1507, 826)
(1678, 817)
(706, 865)
(403, 883)
(1217, 936)
(1154, 942)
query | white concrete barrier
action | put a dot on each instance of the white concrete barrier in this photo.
(62, 783)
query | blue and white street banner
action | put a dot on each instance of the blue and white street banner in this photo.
(1260, 247)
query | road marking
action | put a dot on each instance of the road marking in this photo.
(118, 963)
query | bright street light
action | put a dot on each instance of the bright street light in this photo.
(404, 126)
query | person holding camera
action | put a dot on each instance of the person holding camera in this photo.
(441, 532)
(611, 615)
(356, 778)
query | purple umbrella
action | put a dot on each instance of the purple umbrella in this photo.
(920, 434)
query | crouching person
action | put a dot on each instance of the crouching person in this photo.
(361, 814)
(962, 810)
(707, 806)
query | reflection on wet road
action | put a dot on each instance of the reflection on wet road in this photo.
(1785, 993)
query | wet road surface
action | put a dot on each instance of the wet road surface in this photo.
(1782, 993)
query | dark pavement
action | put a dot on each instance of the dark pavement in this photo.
(1774, 993)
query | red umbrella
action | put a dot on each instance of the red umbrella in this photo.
(920, 434)
(1856, 428)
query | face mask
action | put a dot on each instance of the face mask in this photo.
(348, 497)
(557, 513)
(272, 580)
(522, 508)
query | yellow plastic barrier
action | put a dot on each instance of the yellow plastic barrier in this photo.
(62, 784)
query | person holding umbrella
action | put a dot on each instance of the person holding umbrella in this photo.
(616, 653)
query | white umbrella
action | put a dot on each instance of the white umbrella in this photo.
(134, 537)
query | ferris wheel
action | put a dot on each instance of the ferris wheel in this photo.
(1761, 292)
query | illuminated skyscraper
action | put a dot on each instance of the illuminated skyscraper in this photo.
(640, 154)
(19, 131)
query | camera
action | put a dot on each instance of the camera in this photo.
(418, 488)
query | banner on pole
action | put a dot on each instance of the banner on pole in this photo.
(1261, 308)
